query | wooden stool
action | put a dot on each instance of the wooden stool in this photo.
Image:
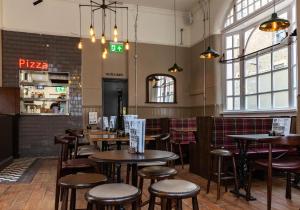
(78, 181)
(155, 173)
(113, 195)
(220, 154)
(173, 189)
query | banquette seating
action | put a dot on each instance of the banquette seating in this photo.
(212, 133)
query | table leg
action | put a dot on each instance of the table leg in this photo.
(134, 174)
(269, 184)
(243, 171)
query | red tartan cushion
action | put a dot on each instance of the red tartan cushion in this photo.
(153, 123)
(182, 137)
(238, 126)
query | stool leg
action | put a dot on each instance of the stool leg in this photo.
(141, 184)
(64, 204)
(134, 205)
(195, 203)
(236, 187)
(57, 195)
(169, 204)
(181, 156)
(151, 202)
(210, 172)
(128, 173)
(163, 203)
(288, 191)
(219, 178)
(73, 199)
(89, 206)
(178, 204)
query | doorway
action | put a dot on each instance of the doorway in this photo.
(115, 96)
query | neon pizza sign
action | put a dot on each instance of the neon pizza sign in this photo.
(34, 65)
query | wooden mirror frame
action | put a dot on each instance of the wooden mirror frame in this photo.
(147, 89)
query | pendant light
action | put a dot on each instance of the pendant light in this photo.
(175, 68)
(115, 31)
(92, 30)
(127, 47)
(103, 39)
(275, 23)
(209, 53)
(80, 45)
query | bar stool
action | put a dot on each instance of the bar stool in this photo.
(173, 189)
(220, 154)
(113, 195)
(155, 173)
(74, 182)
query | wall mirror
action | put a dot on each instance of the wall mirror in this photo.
(161, 88)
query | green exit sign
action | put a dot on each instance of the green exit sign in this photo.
(116, 47)
(60, 89)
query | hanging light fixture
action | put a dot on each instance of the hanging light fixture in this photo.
(92, 30)
(104, 53)
(115, 32)
(127, 47)
(275, 23)
(80, 45)
(103, 39)
(209, 53)
(175, 68)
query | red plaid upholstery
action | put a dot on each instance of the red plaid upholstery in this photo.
(238, 126)
(183, 137)
(153, 124)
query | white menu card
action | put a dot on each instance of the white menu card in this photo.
(127, 119)
(282, 126)
(137, 135)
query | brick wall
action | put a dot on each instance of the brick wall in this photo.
(36, 132)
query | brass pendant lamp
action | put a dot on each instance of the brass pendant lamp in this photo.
(209, 53)
(275, 23)
(175, 68)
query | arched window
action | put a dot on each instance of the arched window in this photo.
(265, 79)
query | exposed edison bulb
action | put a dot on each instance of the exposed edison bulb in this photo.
(92, 31)
(209, 56)
(80, 45)
(115, 39)
(93, 38)
(127, 47)
(104, 54)
(103, 39)
(274, 25)
(115, 30)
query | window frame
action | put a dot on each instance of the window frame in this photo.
(291, 65)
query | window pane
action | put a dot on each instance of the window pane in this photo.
(250, 67)
(251, 102)
(264, 83)
(295, 97)
(229, 88)
(229, 54)
(280, 59)
(236, 53)
(294, 72)
(236, 40)
(265, 101)
(236, 70)
(281, 100)
(237, 87)
(229, 103)
(258, 40)
(280, 80)
(229, 71)
(264, 63)
(237, 103)
(228, 42)
(250, 85)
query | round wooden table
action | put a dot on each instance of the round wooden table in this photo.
(123, 156)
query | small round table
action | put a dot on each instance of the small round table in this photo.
(123, 156)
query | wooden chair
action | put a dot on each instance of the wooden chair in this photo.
(67, 166)
(288, 165)
(172, 189)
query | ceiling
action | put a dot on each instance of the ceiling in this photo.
(183, 5)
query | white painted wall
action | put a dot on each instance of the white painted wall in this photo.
(62, 18)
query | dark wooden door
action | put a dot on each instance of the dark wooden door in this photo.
(112, 89)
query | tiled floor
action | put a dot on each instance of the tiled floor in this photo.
(39, 194)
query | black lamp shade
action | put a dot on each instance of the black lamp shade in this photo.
(175, 68)
(274, 24)
(209, 53)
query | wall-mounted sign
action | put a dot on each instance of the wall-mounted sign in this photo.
(60, 89)
(116, 47)
(35, 65)
(114, 74)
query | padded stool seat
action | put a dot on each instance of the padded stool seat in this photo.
(173, 189)
(157, 172)
(154, 163)
(77, 181)
(221, 152)
(113, 195)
